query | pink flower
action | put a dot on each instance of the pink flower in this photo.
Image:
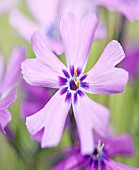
(100, 159)
(46, 14)
(48, 71)
(8, 84)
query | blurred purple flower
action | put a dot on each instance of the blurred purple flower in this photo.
(8, 84)
(129, 8)
(46, 18)
(47, 71)
(100, 159)
(33, 100)
(131, 62)
(80, 9)
(47, 15)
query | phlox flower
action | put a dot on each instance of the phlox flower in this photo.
(46, 16)
(100, 159)
(8, 84)
(48, 71)
(128, 8)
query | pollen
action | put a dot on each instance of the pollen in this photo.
(75, 73)
(77, 82)
(98, 150)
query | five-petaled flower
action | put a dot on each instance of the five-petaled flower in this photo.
(48, 71)
(100, 159)
(48, 24)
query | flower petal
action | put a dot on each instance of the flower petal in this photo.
(39, 9)
(122, 145)
(6, 102)
(38, 73)
(125, 167)
(104, 78)
(34, 99)
(5, 118)
(112, 165)
(41, 50)
(89, 116)
(77, 37)
(24, 26)
(101, 32)
(52, 118)
(11, 77)
(73, 162)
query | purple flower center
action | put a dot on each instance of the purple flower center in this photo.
(73, 83)
(98, 152)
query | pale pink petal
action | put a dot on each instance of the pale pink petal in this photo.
(6, 102)
(77, 37)
(104, 77)
(44, 11)
(101, 32)
(7, 5)
(52, 118)
(41, 50)
(55, 45)
(13, 69)
(5, 118)
(79, 8)
(24, 26)
(130, 10)
(89, 116)
(38, 73)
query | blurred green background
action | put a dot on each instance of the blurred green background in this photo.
(124, 107)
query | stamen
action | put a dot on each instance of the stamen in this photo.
(75, 73)
(100, 147)
(77, 82)
(98, 150)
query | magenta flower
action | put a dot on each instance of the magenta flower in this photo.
(129, 8)
(34, 99)
(8, 84)
(100, 159)
(48, 71)
(48, 23)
